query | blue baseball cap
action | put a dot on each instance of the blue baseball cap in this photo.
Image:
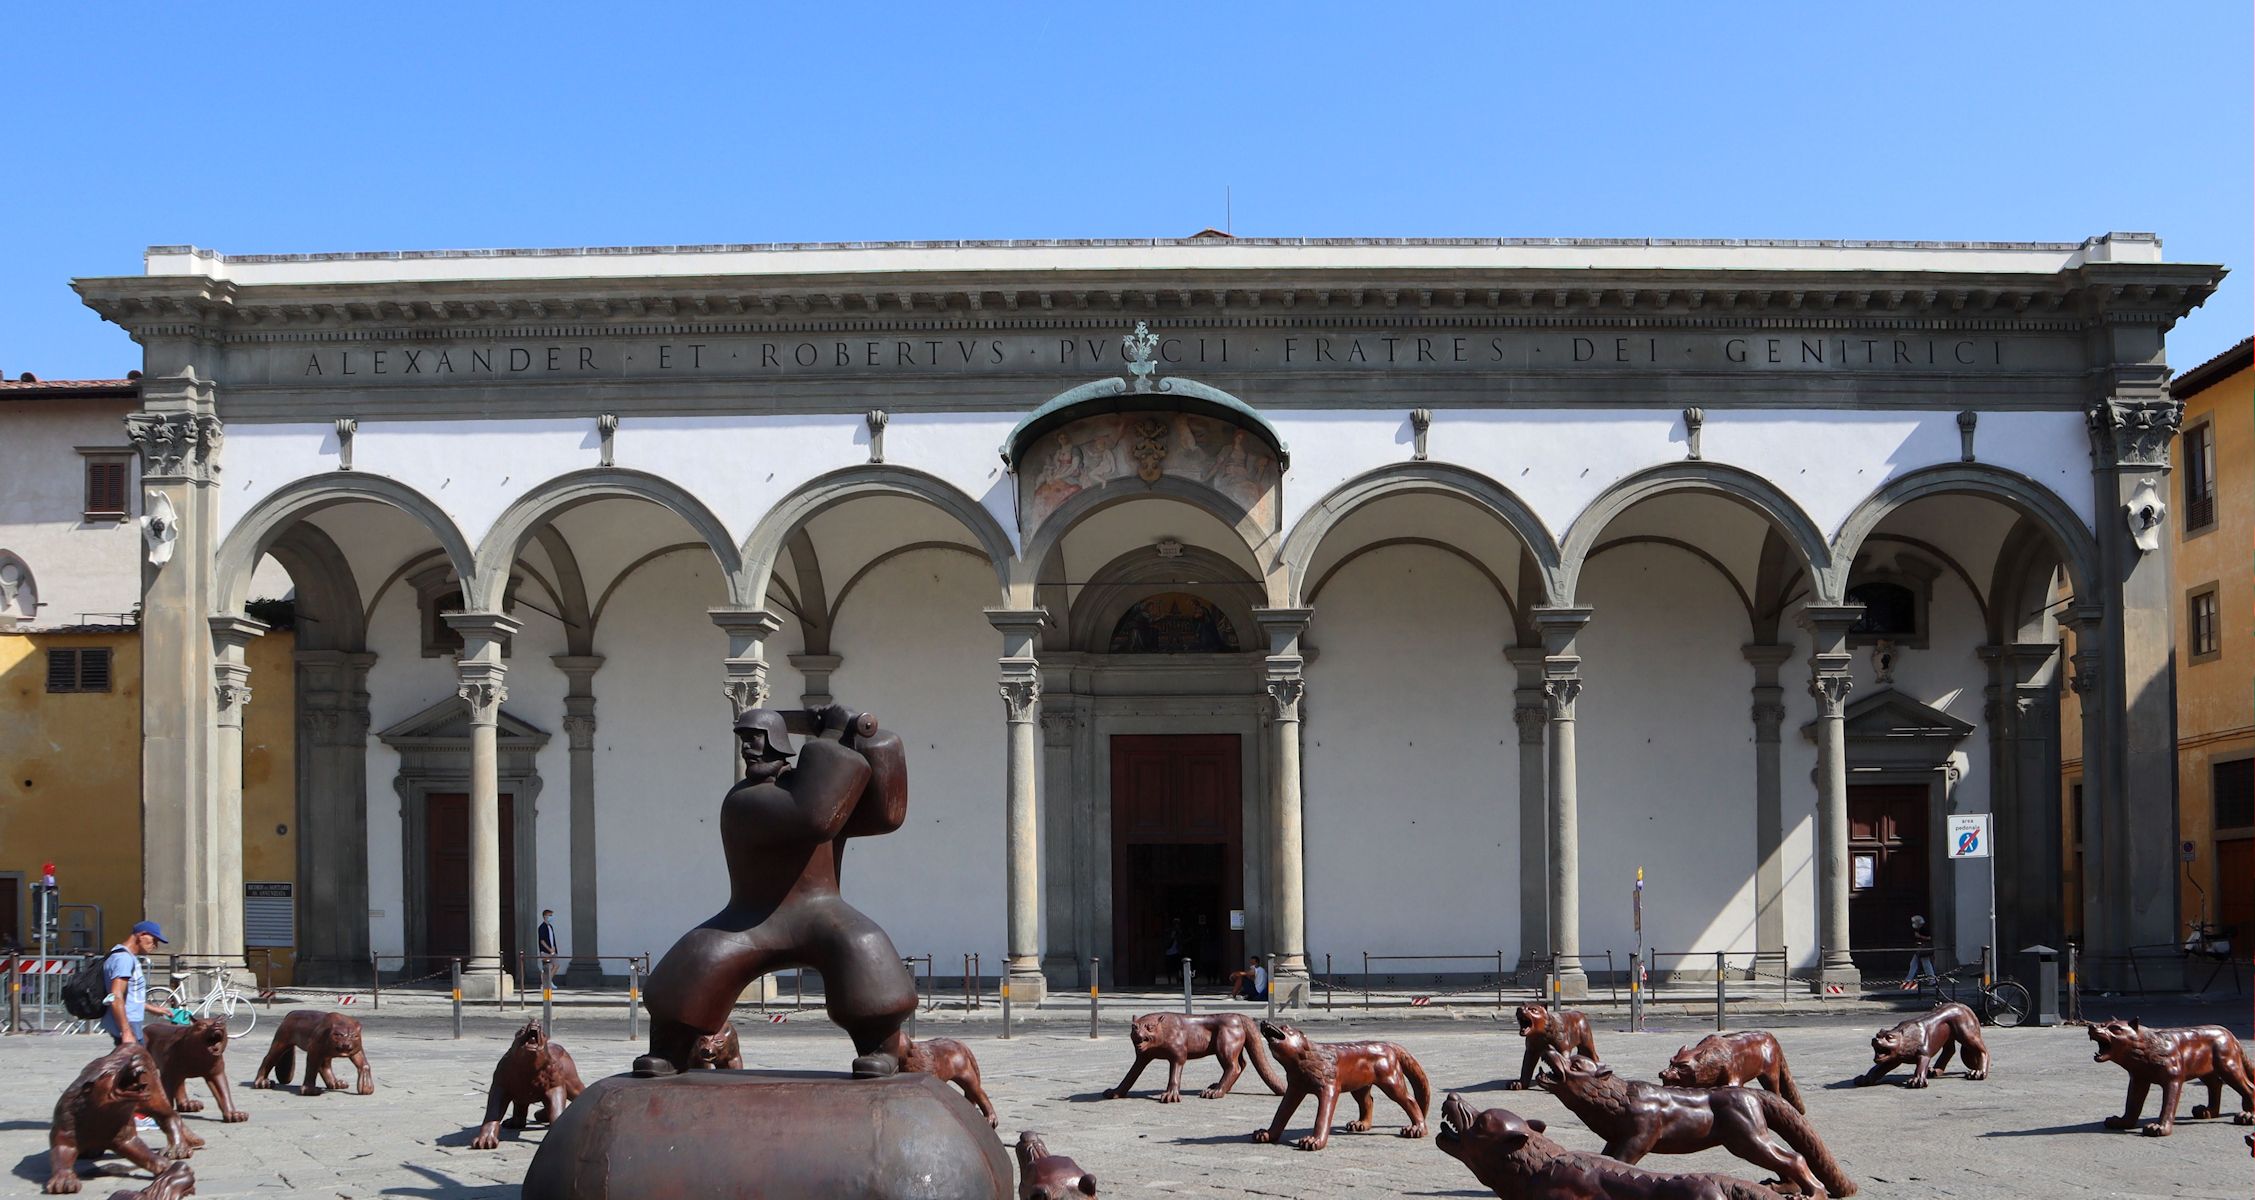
(150, 928)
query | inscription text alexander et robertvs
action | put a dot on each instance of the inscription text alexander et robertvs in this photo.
(752, 355)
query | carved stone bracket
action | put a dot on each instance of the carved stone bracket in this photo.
(1966, 421)
(2134, 431)
(607, 428)
(1420, 425)
(877, 419)
(1693, 420)
(177, 446)
(347, 428)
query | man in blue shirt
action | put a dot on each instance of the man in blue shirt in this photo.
(122, 973)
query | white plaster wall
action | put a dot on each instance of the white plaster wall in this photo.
(85, 572)
(401, 683)
(664, 754)
(964, 449)
(921, 655)
(1410, 767)
(1827, 460)
(1137, 524)
(1665, 746)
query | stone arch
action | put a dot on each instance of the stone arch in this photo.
(1044, 544)
(824, 492)
(326, 589)
(536, 508)
(1734, 483)
(254, 535)
(1139, 574)
(19, 590)
(2078, 550)
(1288, 580)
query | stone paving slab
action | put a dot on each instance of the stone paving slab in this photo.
(2031, 1130)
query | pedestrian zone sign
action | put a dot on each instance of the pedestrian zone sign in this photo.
(1969, 836)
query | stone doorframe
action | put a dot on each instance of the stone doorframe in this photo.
(1086, 700)
(1894, 739)
(434, 756)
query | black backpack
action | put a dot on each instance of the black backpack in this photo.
(84, 995)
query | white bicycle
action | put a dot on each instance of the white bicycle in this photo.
(237, 1009)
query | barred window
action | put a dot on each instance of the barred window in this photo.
(78, 669)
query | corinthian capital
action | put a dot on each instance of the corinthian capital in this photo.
(1285, 693)
(484, 697)
(1020, 693)
(2134, 430)
(1531, 719)
(1559, 693)
(176, 446)
(745, 693)
(1831, 690)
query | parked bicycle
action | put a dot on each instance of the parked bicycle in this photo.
(2002, 1001)
(223, 1001)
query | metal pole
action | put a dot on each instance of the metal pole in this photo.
(1006, 1008)
(1636, 992)
(1272, 987)
(1330, 985)
(39, 912)
(1186, 986)
(978, 988)
(1366, 980)
(1721, 998)
(454, 976)
(966, 983)
(909, 965)
(634, 999)
(1784, 972)
(798, 988)
(548, 997)
(2074, 997)
(1092, 989)
(766, 984)
(1499, 979)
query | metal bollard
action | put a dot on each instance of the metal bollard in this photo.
(1784, 972)
(15, 998)
(2074, 1012)
(1636, 992)
(375, 982)
(798, 989)
(1092, 990)
(455, 972)
(1186, 986)
(1006, 1008)
(634, 999)
(1330, 986)
(1721, 998)
(548, 998)
(1272, 987)
(909, 965)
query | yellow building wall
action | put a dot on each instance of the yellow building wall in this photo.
(70, 779)
(70, 776)
(2216, 698)
(270, 829)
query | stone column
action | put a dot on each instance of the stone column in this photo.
(1065, 955)
(1829, 682)
(1532, 716)
(1562, 685)
(1285, 681)
(1768, 714)
(231, 689)
(483, 687)
(1020, 684)
(178, 437)
(2024, 793)
(332, 783)
(2131, 423)
(2089, 678)
(745, 668)
(579, 726)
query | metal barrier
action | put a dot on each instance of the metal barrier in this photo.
(1093, 990)
(1369, 958)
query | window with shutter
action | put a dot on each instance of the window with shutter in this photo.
(62, 670)
(105, 488)
(2234, 787)
(94, 670)
(2200, 477)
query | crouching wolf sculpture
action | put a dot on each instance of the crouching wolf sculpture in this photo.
(1511, 1156)
(1637, 1118)
(1177, 1038)
(1325, 1069)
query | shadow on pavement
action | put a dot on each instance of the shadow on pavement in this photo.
(445, 1188)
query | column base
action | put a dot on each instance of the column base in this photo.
(1572, 985)
(1836, 979)
(1291, 987)
(1028, 987)
(487, 985)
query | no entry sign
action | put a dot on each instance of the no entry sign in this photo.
(1969, 835)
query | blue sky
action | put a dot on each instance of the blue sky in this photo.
(328, 127)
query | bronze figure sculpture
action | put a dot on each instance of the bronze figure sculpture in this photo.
(784, 831)
(1927, 1042)
(533, 1068)
(1732, 1059)
(1565, 1030)
(1046, 1176)
(325, 1037)
(882, 1133)
(950, 1061)
(717, 1051)
(1176, 1038)
(2172, 1058)
(1325, 1069)
(197, 1050)
(1510, 1156)
(178, 1179)
(95, 1115)
(1637, 1118)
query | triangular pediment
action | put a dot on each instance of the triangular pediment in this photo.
(448, 722)
(1894, 717)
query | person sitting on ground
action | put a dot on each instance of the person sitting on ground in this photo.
(1250, 983)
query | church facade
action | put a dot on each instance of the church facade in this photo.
(1234, 597)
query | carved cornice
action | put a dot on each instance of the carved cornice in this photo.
(2134, 430)
(191, 305)
(176, 446)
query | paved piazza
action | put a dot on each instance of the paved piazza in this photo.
(2031, 1130)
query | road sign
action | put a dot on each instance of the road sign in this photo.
(1969, 835)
